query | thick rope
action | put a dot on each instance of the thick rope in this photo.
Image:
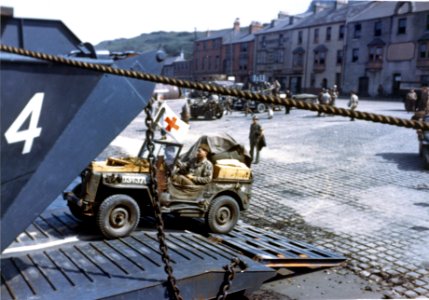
(214, 89)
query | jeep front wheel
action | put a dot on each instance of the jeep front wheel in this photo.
(223, 214)
(118, 216)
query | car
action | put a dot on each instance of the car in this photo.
(115, 192)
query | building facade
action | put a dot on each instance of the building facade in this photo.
(372, 47)
(386, 48)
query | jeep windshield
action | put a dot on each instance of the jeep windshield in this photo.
(163, 148)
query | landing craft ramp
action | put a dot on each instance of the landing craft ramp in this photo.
(57, 257)
(52, 115)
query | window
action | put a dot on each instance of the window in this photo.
(299, 37)
(263, 42)
(339, 57)
(328, 33)
(402, 26)
(423, 50)
(427, 22)
(298, 60)
(341, 32)
(377, 28)
(357, 31)
(355, 54)
(281, 40)
(319, 57)
(375, 54)
(316, 35)
(279, 56)
(243, 48)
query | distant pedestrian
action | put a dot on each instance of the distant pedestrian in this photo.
(185, 114)
(247, 109)
(353, 103)
(325, 98)
(411, 100)
(256, 139)
(288, 96)
(270, 111)
(334, 94)
(228, 105)
(423, 101)
(276, 87)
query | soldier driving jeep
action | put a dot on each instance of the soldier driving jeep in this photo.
(198, 170)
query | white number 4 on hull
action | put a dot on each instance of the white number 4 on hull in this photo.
(31, 110)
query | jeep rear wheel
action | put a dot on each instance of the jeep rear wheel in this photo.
(118, 216)
(223, 214)
(260, 108)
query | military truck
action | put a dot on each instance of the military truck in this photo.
(205, 105)
(115, 192)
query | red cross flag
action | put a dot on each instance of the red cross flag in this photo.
(171, 123)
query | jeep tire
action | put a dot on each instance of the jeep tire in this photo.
(260, 108)
(223, 214)
(118, 216)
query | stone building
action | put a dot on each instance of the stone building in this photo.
(387, 48)
(225, 53)
(373, 47)
(273, 50)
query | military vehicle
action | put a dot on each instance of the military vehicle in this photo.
(205, 105)
(115, 192)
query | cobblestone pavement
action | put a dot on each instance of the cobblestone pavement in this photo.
(357, 188)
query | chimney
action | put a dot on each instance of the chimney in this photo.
(254, 27)
(282, 14)
(236, 27)
(340, 3)
(318, 7)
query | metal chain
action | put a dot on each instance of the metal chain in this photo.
(153, 189)
(229, 277)
(270, 99)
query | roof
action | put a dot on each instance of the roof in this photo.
(384, 9)
(335, 15)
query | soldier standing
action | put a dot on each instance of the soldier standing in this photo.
(325, 98)
(255, 135)
(353, 103)
(186, 112)
(411, 100)
(288, 96)
(423, 99)
(334, 94)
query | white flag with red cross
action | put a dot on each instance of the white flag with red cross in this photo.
(171, 123)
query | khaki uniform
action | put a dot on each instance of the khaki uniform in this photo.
(203, 172)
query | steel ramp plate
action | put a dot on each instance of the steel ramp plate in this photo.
(276, 251)
(58, 258)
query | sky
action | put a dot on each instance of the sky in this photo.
(95, 20)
